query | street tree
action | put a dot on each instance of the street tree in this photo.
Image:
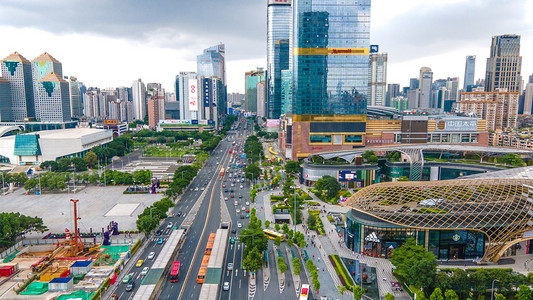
(296, 265)
(414, 263)
(389, 296)
(253, 195)
(288, 188)
(277, 241)
(292, 167)
(276, 226)
(436, 295)
(146, 223)
(451, 295)
(357, 292)
(524, 293)
(329, 185)
(253, 260)
(253, 237)
(252, 171)
(91, 159)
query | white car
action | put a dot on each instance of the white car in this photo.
(230, 266)
(247, 203)
(145, 271)
(241, 186)
(203, 188)
(238, 211)
(225, 198)
(225, 287)
(239, 225)
(151, 255)
(196, 189)
(169, 225)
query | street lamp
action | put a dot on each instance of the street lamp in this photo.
(492, 290)
(294, 187)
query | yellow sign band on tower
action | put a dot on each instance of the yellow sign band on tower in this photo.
(331, 51)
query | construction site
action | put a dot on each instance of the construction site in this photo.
(67, 268)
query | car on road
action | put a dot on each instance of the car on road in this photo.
(232, 185)
(145, 271)
(239, 225)
(179, 214)
(225, 198)
(196, 189)
(158, 232)
(247, 215)
(242, 186)
(243, 208)
(231, 190)
(225, 287)
(151, 255)
(247, 203)
(130, 286)
(127, 278)
(233, 231)
(223, 185)
(240, 196)
(238, 210)
(203, 188)
(226, 190)
(230, 266)
(139, 263)
(160, 241)
(232, 196)
(169, 225)
(247, 210)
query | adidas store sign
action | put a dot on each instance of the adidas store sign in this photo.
(373, 237)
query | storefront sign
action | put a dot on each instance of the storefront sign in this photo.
(347, 175)
(457, 125)
(456, 237)
(373, 237)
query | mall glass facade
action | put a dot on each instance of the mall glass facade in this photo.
(330, 56)
(368, 235)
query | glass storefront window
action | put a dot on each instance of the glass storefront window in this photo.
(465, 138)
(353, 138)
(320, 139)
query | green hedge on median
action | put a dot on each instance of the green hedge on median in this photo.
(341, 271)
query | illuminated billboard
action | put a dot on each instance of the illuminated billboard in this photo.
(347, 175)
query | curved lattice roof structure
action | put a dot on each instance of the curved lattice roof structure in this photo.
(501, 209)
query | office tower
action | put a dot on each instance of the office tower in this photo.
(138, 90)
(393, 90)
(251, 79)
(498, 108)
(76, 106)
(414, 83)
(156, 104)
(261, 99)
(279, 26)
(5, 100)
(189, 95)
(377, 81)
(54, 99)
(17, 70)
(528, 99)
(330, 71)
(426, 79)
(470, 71)
(286, 92)
(330, 57)
(400, 103)
(42, 66)
(504, 64)
(412, 98)
(212, 62)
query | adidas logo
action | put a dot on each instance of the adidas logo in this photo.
(373, 237)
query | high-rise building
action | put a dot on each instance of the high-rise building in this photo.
(261, 99)
(331, 43)
(528, 99)
(393, 90)
(498, 108)
(279, 26)
(212, 63)
(286, 92)
(139, 99)
(452, 91)
(251, 79)
(189, 95)
(17, 70)
(377, 81)
(54, 99)
(5, 100)
(426, 80)
(413, 96)
(414, 83)
(330, 66)
(470, 71)
(41, 66)
(504, 64)
(76, 106)
(156, 104)
(400, 103)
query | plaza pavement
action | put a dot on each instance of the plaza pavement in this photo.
(56, 210)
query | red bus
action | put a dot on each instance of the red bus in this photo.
(222, 172)
(174, 273)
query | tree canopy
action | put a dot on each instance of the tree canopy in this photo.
(14, 224)
(415, 264)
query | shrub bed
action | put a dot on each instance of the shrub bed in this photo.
(341, 271)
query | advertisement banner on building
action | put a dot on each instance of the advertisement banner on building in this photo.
(272, 123)
(206, 92)
(215, 92)
(193, 95)
(110, 122)
(456, 125)
(347, 175)
(374, 48)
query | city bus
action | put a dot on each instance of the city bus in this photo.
(174, 272)
(273, 235)
(203, 269)
(222, 172)
(304, 294)
(210, 243)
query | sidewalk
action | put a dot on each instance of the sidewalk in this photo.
(333, 244)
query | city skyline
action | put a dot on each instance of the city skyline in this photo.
(414, 33)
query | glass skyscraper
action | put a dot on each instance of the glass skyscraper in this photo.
(279, 24)
(212, 63)
(470, 71)
(330, 57)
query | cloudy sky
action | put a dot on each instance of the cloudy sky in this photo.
(111, 43)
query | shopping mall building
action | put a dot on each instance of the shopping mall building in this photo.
(480, 216)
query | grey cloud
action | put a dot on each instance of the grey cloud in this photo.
(176, 24)
(436, 30)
